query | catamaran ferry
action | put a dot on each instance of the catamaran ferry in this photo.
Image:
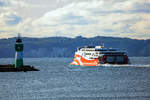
(97, 55)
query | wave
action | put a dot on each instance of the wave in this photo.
(113, 65)
(127, 65)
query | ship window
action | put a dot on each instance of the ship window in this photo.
(100, 50)
(87, 53)
(89, 50)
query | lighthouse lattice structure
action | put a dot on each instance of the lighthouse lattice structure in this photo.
(19, 52)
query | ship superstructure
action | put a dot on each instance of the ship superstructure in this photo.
(96, 55)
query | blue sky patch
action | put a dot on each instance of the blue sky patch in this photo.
(13, 20)
(2, 3)
(74, 20)
(108, 30)
(2, 31)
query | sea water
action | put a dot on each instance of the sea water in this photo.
(57, 79)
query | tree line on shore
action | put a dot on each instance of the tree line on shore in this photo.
(65, 47)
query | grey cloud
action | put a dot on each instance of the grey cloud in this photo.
(122, 11)
(141, 8)
(136, 8)
(108, 12)
(132, 20)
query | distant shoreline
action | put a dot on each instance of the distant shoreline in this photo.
(65, 47)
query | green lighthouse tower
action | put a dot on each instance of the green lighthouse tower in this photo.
(19, 52)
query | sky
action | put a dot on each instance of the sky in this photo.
(71, 18)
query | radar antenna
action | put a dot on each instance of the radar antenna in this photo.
(102, 45)
(19, 36)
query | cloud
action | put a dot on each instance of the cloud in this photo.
(119, 18)
(91, 19)
(9, 24)
(143, 7)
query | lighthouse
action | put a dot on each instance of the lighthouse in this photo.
(19, 52)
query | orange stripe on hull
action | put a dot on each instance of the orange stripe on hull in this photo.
(75, 62)
(79, 60)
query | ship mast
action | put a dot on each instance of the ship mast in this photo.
(102, 45)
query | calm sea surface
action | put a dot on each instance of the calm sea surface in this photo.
(59, 80)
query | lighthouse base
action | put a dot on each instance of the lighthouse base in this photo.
(11, 68)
